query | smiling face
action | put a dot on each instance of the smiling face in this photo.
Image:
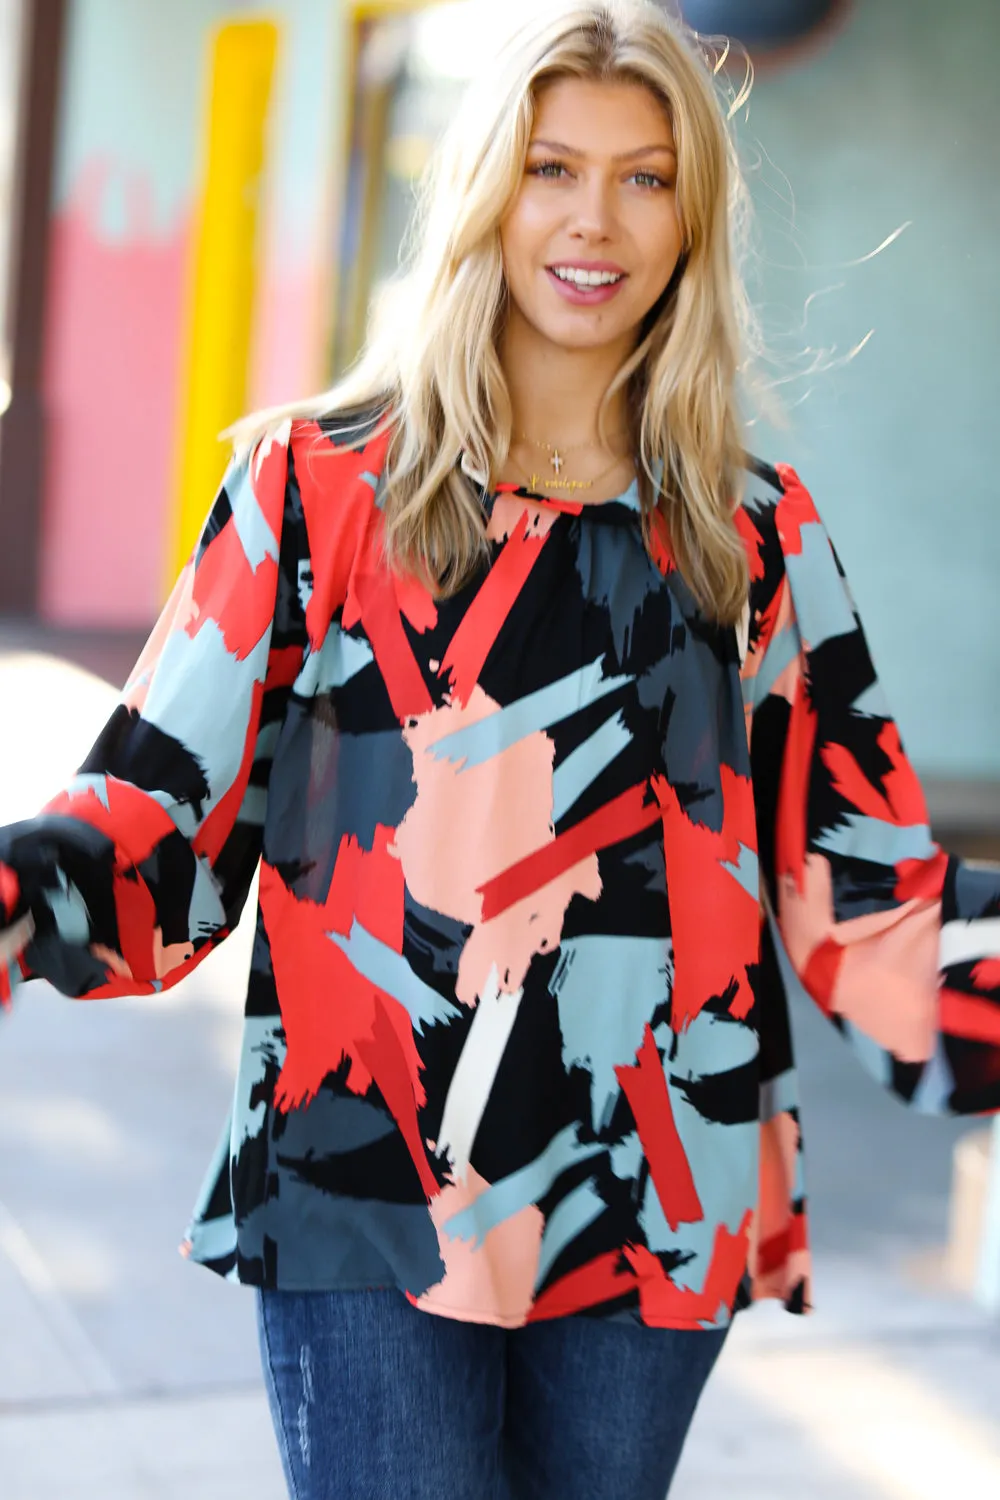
(593, 236)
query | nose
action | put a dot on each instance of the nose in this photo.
(594, 210)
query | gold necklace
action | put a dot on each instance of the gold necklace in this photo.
(556, 454)
(539, 483)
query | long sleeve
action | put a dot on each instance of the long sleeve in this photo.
(897, 942)
(136, 871)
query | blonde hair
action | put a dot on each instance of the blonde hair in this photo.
(431, 368)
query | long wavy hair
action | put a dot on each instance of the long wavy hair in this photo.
(430, 366)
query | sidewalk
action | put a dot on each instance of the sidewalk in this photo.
(127, 1373)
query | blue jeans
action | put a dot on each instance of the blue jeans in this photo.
(375, 1400)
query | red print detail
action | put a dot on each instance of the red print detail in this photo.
(714, 920)
(383, 625)
(619, 819)
(752, 541)
(128, 807)
(283, 666)
(795, 509)
(148, 824)
(411, 596)
(600, 1280)
(775, 1252)
(898, 799)
(415, 601)
(970, 1017)
(660, 546)
(820, 973)
(474, 639)
(986, 974)
(340, 511)
(331, 1012)
(226, 590)
(388, 1053)
(10, 892)
(369, 885)
(665, 1305)
(269, 475)
(767, 623)
(135, 911)
(921, 879)
(793, 797)
(570, 507)
(217, 827)
(125, 985)
(645, 1088)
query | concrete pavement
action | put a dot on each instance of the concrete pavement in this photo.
(125, 1372)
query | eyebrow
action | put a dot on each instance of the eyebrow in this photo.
(622, 156)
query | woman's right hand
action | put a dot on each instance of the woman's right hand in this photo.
(14, 940)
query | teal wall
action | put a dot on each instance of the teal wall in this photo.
(135, 90)
(896, 120)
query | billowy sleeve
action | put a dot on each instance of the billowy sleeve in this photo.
(142, 865)
(897, 942)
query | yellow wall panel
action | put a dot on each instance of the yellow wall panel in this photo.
(224, 271)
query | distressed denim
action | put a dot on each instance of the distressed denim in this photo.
(374, 1400)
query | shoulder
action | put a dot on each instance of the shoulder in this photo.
(774, 509)
(784, 537)
(340, 438)
(775, 502)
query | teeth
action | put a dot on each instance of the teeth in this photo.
(586, 278)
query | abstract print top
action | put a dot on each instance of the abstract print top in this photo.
(539, 865)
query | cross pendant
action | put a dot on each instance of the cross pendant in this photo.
(557, 462)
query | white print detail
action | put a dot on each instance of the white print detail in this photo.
(964, 942)
(587, 278)
(743, 633)
(474, 1076)
(280, 436)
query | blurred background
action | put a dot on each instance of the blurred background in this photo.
(197, 201)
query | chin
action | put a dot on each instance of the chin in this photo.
(576, 335)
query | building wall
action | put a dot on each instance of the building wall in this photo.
(896, 122)
(127, 189)
(890, 124)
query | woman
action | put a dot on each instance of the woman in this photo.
(515, 673)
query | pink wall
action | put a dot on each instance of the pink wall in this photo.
(290, 333)
(112, 370)
(128, 174)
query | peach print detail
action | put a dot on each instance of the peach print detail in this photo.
(111, 960)
(492, 1279)
(467, 825)
(886, 977)
(507, 512)
(166, 958)
(774, 1224)
(781, 1280)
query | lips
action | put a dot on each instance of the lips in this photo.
(587, 295)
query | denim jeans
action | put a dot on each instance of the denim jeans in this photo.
(375, 1400)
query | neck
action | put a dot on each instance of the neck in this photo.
(556, 393)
